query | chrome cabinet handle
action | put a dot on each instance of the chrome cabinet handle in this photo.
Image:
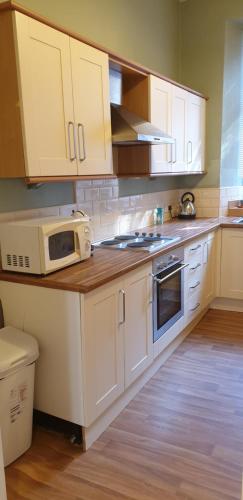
(189, 162)
(174, 161)
(195, 286)
(81, 158)
(195, 248)
(195, 267)
(124, 307)
(169, 275)
(196, 307)
(71, 158)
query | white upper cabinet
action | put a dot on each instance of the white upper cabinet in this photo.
(181, 114)
(160, 116)
(64, 98)
(195, 133)
(90, 75)
(46, 98)
(179, 131)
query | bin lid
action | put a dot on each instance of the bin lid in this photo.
(17, 349)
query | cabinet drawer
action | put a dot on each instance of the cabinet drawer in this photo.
(193, 272)
(194, 286)
(193, 307)
(194, 251)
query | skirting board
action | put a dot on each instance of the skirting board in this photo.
(90, 434)
(227, 304)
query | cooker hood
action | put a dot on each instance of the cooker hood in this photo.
(130, 129)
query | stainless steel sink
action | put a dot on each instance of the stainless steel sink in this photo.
(238, 221)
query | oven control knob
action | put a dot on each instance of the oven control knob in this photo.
(151, 235)
(159, 235)
(137, 233)
(144, 234)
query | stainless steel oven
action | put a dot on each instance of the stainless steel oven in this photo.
(168, 294)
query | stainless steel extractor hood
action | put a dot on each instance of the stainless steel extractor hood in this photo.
(130, 129)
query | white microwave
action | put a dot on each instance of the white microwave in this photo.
(41, 246)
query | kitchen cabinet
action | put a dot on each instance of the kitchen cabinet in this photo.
(195, 139)
(103, 348)
(193, 280)
(60, 87)
(231, 273)
(117, 339)
(90, 74)
(179, 131)
(138, 323)
(180, 114)
(160, 116)
(200, 275)
(208, 269)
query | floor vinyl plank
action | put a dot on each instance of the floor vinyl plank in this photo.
(180, 438)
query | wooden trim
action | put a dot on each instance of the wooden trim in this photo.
(115, 58)
(66, 178)
(12, 163)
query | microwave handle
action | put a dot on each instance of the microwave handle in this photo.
(82, 239)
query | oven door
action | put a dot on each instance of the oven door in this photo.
(168, 304)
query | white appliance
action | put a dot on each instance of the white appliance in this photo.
(3, 495)
(18, 353)
(41, 246)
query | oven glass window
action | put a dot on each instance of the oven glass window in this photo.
(61, 245)
(168, 298)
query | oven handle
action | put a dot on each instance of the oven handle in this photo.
(169, 275)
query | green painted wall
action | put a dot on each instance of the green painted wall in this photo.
(143, 30)
(14, 195)
(205, 46)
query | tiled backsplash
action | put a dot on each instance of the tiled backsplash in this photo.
(229, 194)
(112, 215)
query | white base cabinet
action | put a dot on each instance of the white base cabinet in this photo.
(200, 275)
(231, 285)
(117, 339)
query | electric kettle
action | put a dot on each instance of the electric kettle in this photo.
(187, 209)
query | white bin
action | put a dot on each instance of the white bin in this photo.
(18, 352)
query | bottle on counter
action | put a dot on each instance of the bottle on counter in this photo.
(158, 215)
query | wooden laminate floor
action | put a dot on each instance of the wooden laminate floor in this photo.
(180, 438)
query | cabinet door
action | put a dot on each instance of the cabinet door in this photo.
(47, 103)
(103, 351)
(209, 270)
(138, 323)
(179, 111)
(92, 109)
(160, 116)
(195, 133)
(232, 264)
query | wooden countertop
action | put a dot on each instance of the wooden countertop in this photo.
(108, 264)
